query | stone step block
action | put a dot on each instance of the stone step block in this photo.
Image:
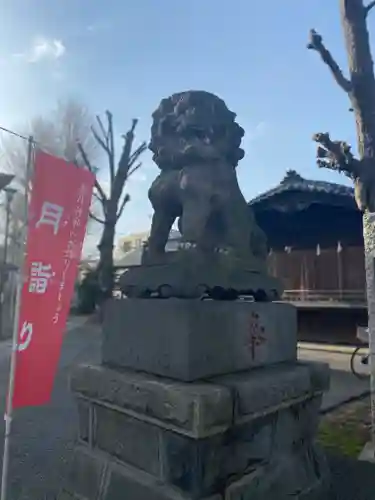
(198, 466)
(303, 475)
(200, 409)
(96, 476)
(193, 339)
(257, 392)
(200, 450)
(197, 410)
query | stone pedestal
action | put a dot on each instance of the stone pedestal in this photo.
(245, 435)
(193, 339)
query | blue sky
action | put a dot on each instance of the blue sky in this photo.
(125, 55)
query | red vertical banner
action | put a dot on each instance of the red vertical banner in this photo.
(58, 212)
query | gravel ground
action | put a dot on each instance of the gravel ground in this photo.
(347, 429)
(42, 438)
(343, 433)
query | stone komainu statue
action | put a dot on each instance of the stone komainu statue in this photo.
(195, 142)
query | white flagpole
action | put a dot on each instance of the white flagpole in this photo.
(9, 409)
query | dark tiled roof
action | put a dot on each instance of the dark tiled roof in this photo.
(294, 182)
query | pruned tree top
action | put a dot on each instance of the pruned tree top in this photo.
(335, 155)
(369, 7)
(316, 43)
(359, 86)
(114, 203)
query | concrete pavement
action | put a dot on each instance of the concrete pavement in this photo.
(344, 385)
(43, 438)
(72, 323)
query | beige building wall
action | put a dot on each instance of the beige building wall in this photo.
(132, 241)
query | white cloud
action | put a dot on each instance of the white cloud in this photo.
(43, 49)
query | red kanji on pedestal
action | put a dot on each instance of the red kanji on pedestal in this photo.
(257, 337)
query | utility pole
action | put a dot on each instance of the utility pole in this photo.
(9, 194)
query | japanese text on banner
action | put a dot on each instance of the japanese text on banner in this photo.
(59, 206)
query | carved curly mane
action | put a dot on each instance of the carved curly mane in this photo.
(194, 126)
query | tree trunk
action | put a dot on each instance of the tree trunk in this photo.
(112, 208)
(369, 245)
(362, 96)
(362, 78)
(105, 267)
(336, 155)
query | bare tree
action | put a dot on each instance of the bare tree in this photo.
(359, 86)
(113, 202)
(57, 134)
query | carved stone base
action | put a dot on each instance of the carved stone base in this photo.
(240, 437)
(190, 274)
(192, 339)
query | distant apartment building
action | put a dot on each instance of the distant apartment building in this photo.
(132, 241)
(129, 248)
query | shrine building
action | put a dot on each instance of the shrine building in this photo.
(314, 233)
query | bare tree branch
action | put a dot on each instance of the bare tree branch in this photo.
(126, 155)
(316, 43)
(134, 124)
(96, 196)
(97, 185)
(95, 218)
(57, 133)
(101, 126)
(115, 203)
(336, 155)
(72, 122)
(131, 172)
(131, 131)
(101, 193)
(369, 7)
(85, 157)
(100, 140)
(134, 156)
(111, 147)
(124, 163)
(122, 206)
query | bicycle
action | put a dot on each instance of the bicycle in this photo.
(359, 360)
(363, 361)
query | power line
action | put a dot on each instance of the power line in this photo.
(16, 134)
